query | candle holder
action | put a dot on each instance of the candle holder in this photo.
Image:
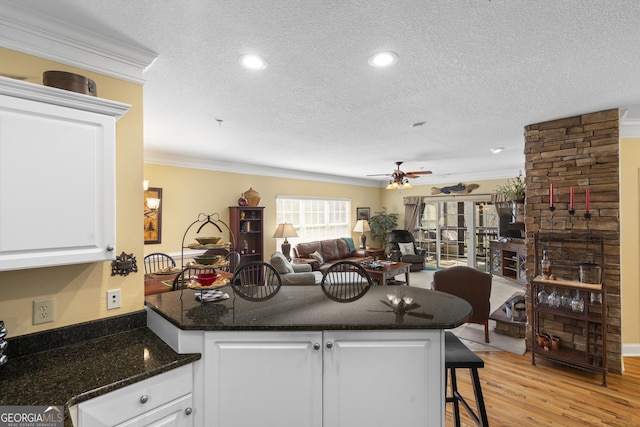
(572, 212)
(587, 218)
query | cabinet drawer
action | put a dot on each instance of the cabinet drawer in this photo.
(121, 405)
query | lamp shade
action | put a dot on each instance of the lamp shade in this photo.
(285, 230)
(362, 226)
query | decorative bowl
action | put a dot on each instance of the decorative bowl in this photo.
(207, 259)
(206, 279)
(208, 240)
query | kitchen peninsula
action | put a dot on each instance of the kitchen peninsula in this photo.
(300, 358)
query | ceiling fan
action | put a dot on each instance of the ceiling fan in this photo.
(400, 178)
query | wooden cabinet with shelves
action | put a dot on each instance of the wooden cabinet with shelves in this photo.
(247, 225)
(580, 326)
(508, 259)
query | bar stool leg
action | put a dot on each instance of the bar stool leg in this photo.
(454, 399)
(477, 390)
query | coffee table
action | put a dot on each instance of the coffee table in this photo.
(390, 271)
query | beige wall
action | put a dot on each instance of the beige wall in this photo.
(80, 290)
(630, 239)
(187, 192)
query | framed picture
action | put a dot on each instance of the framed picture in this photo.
(153, 216)
(363, 213)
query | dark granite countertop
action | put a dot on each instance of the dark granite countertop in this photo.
(69, 374)
(309, 308)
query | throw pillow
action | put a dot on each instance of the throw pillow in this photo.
(406, 248)
(316, 255)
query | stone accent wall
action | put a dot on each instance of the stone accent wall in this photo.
(578, 151)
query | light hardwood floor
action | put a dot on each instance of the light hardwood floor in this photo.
(519, 394)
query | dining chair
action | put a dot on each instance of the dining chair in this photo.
(185, 278)
(346, 281)
(232, 261)
(471, 285)
(157, 261)
(256, 281)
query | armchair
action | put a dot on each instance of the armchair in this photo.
(294, 274)
(402, 247)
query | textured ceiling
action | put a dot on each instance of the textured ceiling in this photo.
(475, 71)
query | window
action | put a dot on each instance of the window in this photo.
(314, 219)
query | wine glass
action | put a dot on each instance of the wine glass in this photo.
(565, 299)
(553, 299)
(577, 303)
(543, 296)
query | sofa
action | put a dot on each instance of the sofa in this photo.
(322, 254)
(294, 274)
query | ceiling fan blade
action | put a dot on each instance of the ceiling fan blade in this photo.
(418, 173)
(381, 174)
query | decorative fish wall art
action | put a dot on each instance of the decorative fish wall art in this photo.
(459, 188)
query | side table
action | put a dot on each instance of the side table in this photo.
(312, 262)
(375, 253)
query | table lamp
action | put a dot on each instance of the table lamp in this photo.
(285, 230)
(362, 226)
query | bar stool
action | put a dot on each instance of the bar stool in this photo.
(457, 355)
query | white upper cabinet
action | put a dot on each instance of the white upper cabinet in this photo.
(57, 176)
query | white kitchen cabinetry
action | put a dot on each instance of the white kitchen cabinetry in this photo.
(57, 176)
(314, 378)
(164, 400)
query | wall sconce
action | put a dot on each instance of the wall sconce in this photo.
(362, 226)
(153, 203)
(285, 230)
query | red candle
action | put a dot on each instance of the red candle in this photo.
(551, 196)
(571, 206)
(586, 199)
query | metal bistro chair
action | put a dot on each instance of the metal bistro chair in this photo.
(457, 355)
(346, 281)
(232, 262)
(157, 261)
(256, 281)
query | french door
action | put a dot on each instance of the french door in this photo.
(457, 232)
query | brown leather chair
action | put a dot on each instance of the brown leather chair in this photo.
(470, 284)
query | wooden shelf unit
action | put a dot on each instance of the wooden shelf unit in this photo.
(509, 260)
(247, 224)
(583, 335)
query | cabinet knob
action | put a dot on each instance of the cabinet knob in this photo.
(144, 398)
(188, 411)
(110, 248)
(329, 344)
(316, 346)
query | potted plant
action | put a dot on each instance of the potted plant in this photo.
(514, 192)
(383, 223)
(513, 189)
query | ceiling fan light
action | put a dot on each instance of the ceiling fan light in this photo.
(407, 185)
(383, 59)
(253, 62)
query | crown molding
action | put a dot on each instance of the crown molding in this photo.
(31, 32)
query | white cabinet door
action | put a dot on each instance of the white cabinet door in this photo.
(57, 176)
(173, 414)
(267, 379)
(378, 378)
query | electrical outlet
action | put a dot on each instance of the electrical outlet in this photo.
(43, 311)
(113, 299)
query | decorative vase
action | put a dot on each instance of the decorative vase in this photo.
(242, 201)
(252, 197)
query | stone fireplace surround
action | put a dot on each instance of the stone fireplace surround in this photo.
(580, 151)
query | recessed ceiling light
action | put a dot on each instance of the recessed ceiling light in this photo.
(497, 150)
(253, 62)
(383, 59)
